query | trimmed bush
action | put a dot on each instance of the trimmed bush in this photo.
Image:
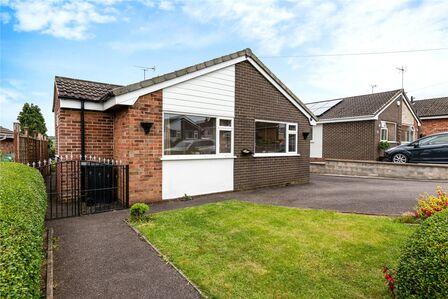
(423, 267)
(23, 203)
(138, 210)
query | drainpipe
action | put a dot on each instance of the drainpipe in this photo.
(83, 141)
(83, 155)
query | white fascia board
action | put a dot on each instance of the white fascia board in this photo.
(434, 117)
(272, 81)
(403, 100)
(76, 104)
(346, 119)
(131, 97)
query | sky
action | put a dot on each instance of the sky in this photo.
(105, 40)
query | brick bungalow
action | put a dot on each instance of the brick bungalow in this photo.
(434, 115)
(6, 141)
(352, 128)
(221, 125)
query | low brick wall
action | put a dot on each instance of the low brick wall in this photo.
(381, 169)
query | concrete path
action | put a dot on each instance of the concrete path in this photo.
(99, 256)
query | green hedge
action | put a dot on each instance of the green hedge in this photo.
(23, 203)
(423, 267)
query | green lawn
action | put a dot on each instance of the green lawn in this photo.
(237, 249)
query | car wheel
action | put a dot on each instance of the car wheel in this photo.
(400, 158)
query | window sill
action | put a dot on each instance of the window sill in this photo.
(261, 155)
(196, 157)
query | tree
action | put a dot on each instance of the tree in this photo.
(31, 117)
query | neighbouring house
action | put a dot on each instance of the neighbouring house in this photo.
(352, 127)
(221, 125)
(6, 141)
(434, 115)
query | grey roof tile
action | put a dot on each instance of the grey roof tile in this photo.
(357, 106)
(82, 89)
(431, 107)
(6, 133)
(101, 92)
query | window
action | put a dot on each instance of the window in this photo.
(383, 134)
(408, 133)
(392, 132)
(196, 135)
(271, 137)
(388, 131)
(434, 140)
(225, 136)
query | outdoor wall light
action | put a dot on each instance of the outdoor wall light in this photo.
(146, 126)
(246, 152)
(305, 135)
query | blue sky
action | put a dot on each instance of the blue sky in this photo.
(104, 41)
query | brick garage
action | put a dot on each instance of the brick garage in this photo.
(432, 126)
(434, 115)
(197, 105)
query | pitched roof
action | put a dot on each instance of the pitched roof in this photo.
(81, 89)
(432, 107)
(357, 106)
(6, 133)
(100, 92)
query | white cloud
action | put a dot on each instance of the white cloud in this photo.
(323, 26)
(5, 17)
(64, 19)
(264, 21)
(166, 5)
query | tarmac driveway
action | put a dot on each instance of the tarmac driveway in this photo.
(345, 194)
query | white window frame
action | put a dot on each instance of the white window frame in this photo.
(287, 132)
(387, 134)
(220, 128)
(387, 130)
(217, 155)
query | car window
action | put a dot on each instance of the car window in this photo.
(442, 139)
(426, 140)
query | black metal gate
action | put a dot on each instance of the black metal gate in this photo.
(78, 187)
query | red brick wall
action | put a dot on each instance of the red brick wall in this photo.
(257, 98)
(349, 140)
(7, 146)
(98, 133)
(142, 152)
(432, 126)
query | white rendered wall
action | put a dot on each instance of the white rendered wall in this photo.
(317, 142)
(195, 177)
(212, 94)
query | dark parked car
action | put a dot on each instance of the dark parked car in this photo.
(429, 149)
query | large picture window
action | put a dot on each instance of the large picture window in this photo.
(196, 135)
(275, 138)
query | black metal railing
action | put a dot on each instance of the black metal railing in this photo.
(79, 187)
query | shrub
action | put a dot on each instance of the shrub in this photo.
(422, 270)
(23, 204)
(383, 145)
(428, 205)
(138, 210)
